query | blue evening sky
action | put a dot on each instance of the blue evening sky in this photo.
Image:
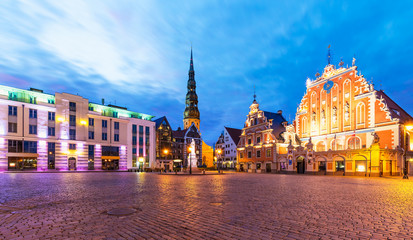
(136, 53)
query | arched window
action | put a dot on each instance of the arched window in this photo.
(360, 113)
(304, 125)
(321, 146)
(354, 143)
(337, 145)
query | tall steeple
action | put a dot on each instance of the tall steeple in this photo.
(191, 113)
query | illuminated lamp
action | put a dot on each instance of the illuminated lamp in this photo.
(60, 119)
(12, 164)
(83, 122)
(409, 128)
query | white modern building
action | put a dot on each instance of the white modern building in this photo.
(43, 132)
(227, 143)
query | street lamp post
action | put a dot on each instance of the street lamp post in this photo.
(406, 149)
(165, 152)
(190, 159)
(219, 151)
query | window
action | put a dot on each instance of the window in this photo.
(15, 146)
(268, 152)
(50, 101)
(72, 134)
(134, 140)
(140, 141)
(255, 121)
(258, 153)
(134, 128)
(116, 137)
(72, 119)
(33, 100)
(72, 146)
(51, 155)
(249, 140)
(249, 154)
(51, 116)
(12, 111)
(141, 129)
(91, 135)
(32, 113)
(91, 108)
(354, 143)
(72, 106)
(12, 127)
(141, 151)
(115, 114)
(30, 147)
(133, 150)
(32, 129)
(91, 159)
(51, 131)
(360, 113)
(241, 155)
(258, 139)
(147, 130)
(116, 125)
(104, 136)
(91, 122)
(104, 123)
(110, 151)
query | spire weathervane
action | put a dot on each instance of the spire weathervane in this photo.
(255, 96)
(329, 55)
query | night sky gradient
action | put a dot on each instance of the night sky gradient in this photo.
(136, 54)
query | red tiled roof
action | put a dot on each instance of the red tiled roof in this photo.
(234, 134)
(395, 110)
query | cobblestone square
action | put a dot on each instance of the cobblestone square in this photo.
(228, 206)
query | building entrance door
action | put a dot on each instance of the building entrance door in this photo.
(72, 163)
(300, 165)
(268, 167)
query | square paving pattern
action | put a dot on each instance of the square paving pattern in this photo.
(228, 206)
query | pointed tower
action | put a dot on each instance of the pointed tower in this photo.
(191, 113)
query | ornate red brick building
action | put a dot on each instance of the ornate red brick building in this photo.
(352, 128)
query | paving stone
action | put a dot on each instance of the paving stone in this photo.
(228, 206)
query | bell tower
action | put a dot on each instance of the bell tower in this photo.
(191, 113)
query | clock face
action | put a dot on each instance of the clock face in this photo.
(328, 85)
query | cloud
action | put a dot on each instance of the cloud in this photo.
(137, 52)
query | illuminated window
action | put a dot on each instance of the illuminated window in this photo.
(354, 143)
(268, 152)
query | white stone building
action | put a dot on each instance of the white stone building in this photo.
(46, 132)
(227, 143)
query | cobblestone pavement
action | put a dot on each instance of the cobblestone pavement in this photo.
(240, 206)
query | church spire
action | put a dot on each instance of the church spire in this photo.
(191, 63)
(191, 113)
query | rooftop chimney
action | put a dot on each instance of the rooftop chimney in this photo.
(103, 101)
